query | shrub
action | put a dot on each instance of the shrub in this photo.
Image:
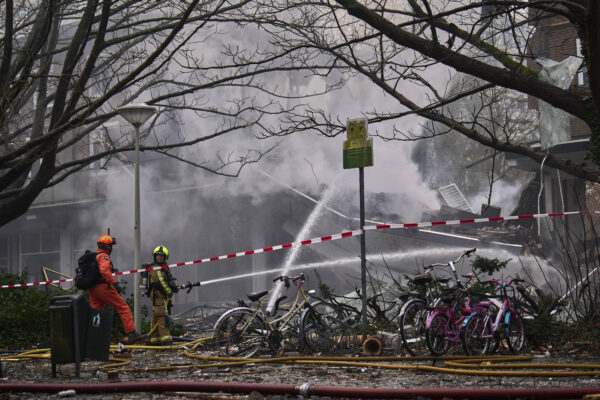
(24, 313)
(25, 316)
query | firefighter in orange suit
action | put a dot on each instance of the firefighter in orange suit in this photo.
(162, 286)
(107, 291)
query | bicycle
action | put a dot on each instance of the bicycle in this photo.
(445, 316)
(414, 312)
(325, 324)
(243, 331)
(478, 329)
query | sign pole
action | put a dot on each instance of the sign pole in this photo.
(358, 153)
(363, 257)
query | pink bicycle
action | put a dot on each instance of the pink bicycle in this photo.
(478, 329)
(446, 315)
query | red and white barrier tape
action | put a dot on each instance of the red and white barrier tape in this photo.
(321, 239)
(475, 220)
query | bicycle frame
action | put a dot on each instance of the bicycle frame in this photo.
(503, 312)
(299, 303)
(268, 329)
(428, 297)
(453, 326)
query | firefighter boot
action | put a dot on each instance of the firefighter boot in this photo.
(133, 337)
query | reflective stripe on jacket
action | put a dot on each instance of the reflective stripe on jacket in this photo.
(159, 276)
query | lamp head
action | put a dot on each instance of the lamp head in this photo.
(136, 113)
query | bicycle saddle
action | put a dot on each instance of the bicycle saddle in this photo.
(422, 279)
(257, 295)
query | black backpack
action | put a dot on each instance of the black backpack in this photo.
(87, 273)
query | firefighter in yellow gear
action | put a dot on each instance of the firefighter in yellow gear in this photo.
(162, 287)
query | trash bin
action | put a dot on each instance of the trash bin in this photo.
(68, 319)
(98, 334)
(77, 331)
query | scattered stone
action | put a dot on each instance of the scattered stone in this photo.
(67, 393)
(113, 376)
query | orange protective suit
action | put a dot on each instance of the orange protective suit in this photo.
(105, 293)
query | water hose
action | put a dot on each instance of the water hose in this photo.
(36, 353)
(461, 365)
(45, 353)
(303, 389)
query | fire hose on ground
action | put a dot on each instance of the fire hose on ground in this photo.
(461, 365)
(473, 365)
(478, 365)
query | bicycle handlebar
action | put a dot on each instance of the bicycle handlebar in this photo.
(293, 278)
(503, 284)
(451, 263)
(469, 252)
(465, 253)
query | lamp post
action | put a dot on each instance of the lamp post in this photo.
(136, 114)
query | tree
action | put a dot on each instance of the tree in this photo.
(66, 66)
(397, 44)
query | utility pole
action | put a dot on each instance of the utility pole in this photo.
(363, 251)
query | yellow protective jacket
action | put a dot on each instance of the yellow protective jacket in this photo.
(159, 279)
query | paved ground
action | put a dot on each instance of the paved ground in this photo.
(174, 365)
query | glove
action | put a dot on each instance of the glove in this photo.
(146, 265)
(117, 287)
(173, 286)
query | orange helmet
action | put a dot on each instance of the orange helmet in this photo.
(106, 240)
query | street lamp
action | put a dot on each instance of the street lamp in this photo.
(136, 114)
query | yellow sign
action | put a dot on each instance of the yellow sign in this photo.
(356, 129)
(358, 150)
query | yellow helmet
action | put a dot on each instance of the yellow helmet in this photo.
(161, 250)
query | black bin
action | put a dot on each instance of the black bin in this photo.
(98, 334)
(77, 331)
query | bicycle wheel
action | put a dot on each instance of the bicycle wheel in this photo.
(412, 327)
(514, 331)
(322, 327)
(240, 333)
(475, 336)
(435, 336)
(494, 343)
(291, 336)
